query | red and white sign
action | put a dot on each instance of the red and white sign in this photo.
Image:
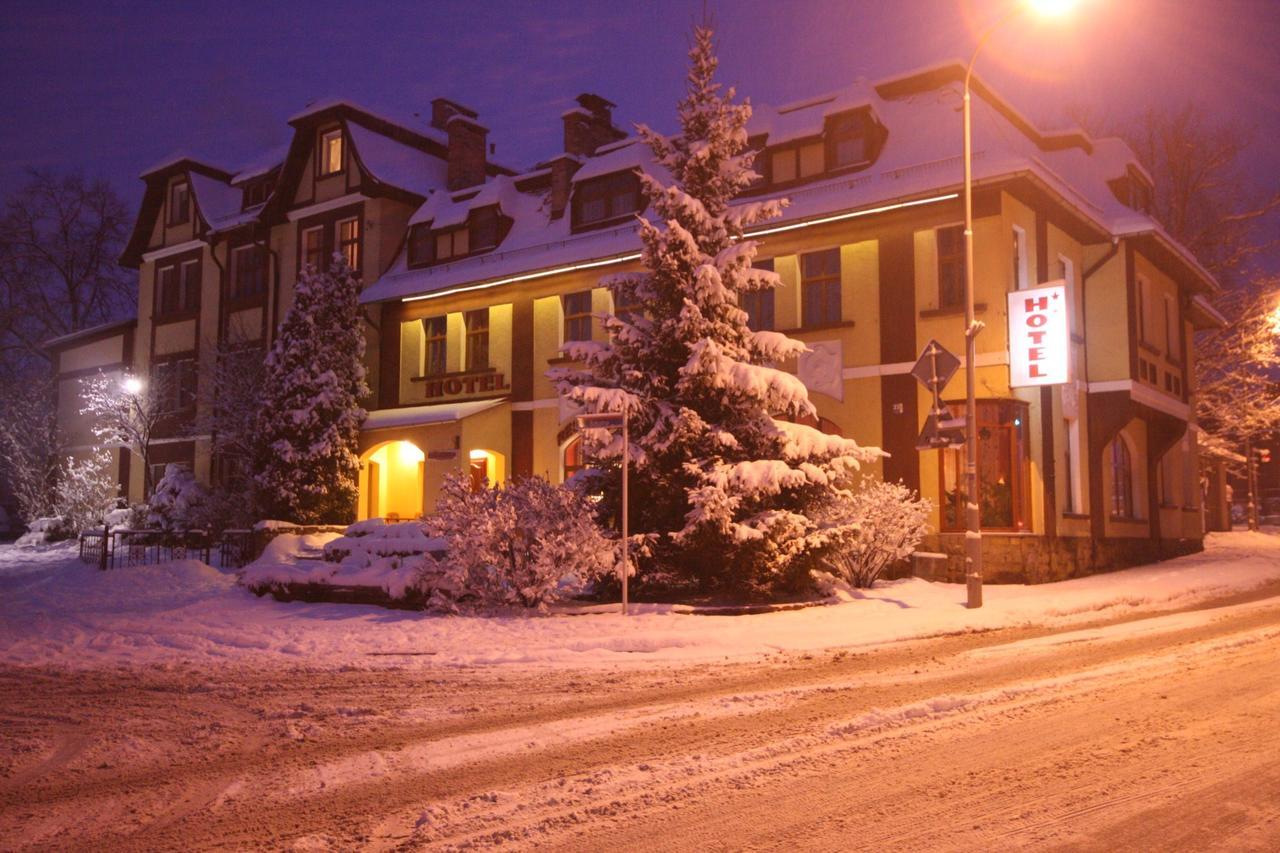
(1039, 336)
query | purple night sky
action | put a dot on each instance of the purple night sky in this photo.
(114, 88)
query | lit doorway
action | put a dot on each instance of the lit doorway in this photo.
(391, 481)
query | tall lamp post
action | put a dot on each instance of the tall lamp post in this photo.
(972, 507)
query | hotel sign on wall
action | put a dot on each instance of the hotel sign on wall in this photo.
(454, 384)
(1039, 336)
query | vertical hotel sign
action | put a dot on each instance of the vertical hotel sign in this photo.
(1039, 336)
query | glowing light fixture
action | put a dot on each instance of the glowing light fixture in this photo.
(1051, 8)
(131, 385)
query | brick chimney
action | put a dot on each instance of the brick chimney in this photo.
(443, 109)
(589, 125)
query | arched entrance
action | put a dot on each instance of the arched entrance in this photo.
(391, 481)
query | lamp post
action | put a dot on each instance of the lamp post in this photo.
(972, 508)
(614, 420)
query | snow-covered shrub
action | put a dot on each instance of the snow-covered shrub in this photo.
(44, 530)
(374, 538)
(86, 492)
(179, 502)
(525, 544)
(877, 525)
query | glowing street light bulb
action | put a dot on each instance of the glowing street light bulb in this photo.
(131, 385)
(1051, 8)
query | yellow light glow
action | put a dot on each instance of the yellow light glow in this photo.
(1051, 8)
(131, 385)
(478, 454)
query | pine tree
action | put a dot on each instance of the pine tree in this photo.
(306, 462)
(724, 490)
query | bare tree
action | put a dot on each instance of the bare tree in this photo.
(60, 237)
(1238, 367)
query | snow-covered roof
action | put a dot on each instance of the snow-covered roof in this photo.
(176, 158)
(93, 331)
(396, 164)
(445, 209)
(261, 163)
(218, 201)
(435, 413)
(920, 159)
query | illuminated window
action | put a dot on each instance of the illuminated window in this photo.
(759, 303)
(348, 234)
(605, 199)
(950, 266)
(435, 332)
(1121, 479)
(577, 316)
(313, 248)
(1004, 470)
(820, 288)
(331, 152)
(477, 323)
(179, 203)
(248, 271)
(573, 462)
(485, 469)
(452, 244)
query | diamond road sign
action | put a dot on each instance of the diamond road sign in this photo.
(935, 367)
(941, 430)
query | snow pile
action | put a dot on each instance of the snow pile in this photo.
(39, 530)
(55, 610)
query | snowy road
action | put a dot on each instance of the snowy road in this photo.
(1158, 732)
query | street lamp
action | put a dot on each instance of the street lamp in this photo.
(972, 511)
(618, 421)
(132, 385)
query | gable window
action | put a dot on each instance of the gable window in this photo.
(348, 241)
(577, 316)
(313, 248)
(950, 266)
(452, 244)
(248, 271)
(607, 198)
(848, 135)
(820, 288)
(435, 346)
(477, 323)
(1121, 479)
(179, 203)
(759, 303)
(330, 152)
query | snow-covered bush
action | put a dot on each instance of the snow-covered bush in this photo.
(374, 538)
(877, 525)
(44, 530)
(179, 502)
(306, 465)
(85, 493)
(524, 545)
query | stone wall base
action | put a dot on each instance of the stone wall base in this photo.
(1036, 559)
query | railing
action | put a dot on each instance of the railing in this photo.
(239, 548)
(113, 549)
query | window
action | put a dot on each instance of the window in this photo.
(484, 229)
(759, 303)
(435, 349)
(1020, 277)
(348, 240)
(331, 152)
(1075, 490)
(1004, 470)
(577, 316)
(248, 271)
(313, 248)
(1172, 334)
(573, 462)
(178, 289)
(848, 135)
(421, 241)
(452, 244)
(477, 323)
(1121, 479)
(179, 203)
(605, 199)
(797, 162)
(174, 385)
(950, 266)
(256, 193)
(820, 288)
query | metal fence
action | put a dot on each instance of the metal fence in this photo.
(113, 549)
(239, 548)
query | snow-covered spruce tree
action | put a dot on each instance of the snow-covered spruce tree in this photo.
(179, 501)
(306, 465)
(723, 488)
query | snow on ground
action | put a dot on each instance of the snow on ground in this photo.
(55, 610)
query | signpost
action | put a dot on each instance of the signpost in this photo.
(934, 370)
(618, 421)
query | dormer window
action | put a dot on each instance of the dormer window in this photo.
(255, 193)
(605, 199)
(848, 140)
(484, 230)
(330, 152)
(179, 203)
(797, 162)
